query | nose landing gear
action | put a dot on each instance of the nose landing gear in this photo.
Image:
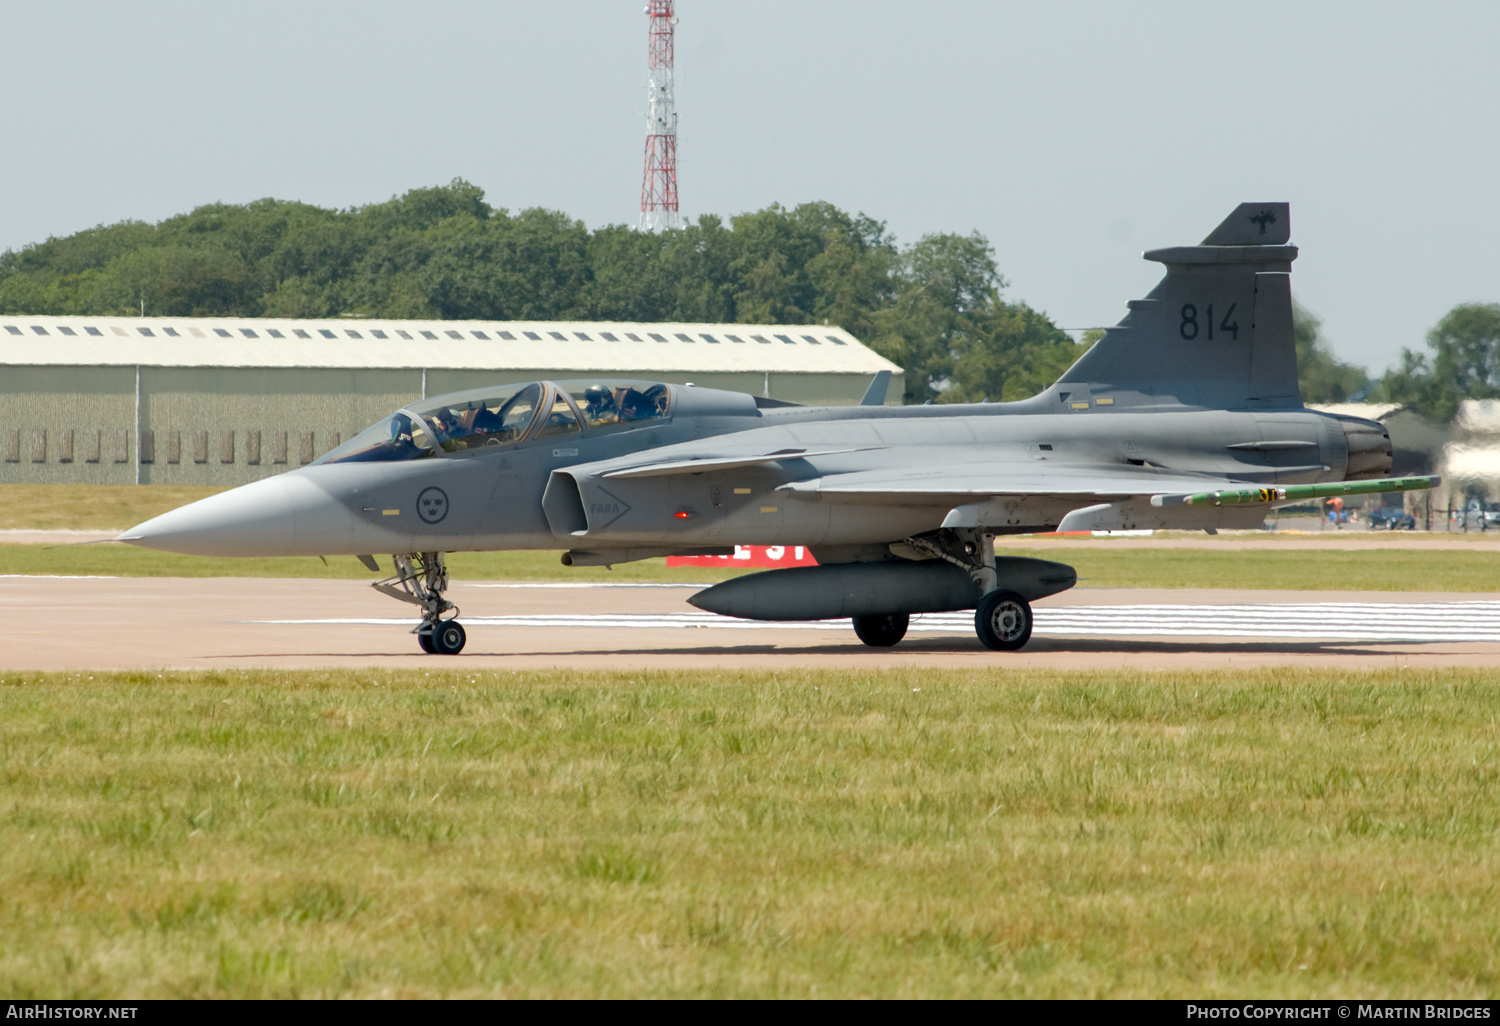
(444, 638)
(421, 578)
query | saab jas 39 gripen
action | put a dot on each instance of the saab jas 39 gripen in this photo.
(1185, 415)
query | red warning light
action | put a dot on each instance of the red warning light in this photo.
(682, 514)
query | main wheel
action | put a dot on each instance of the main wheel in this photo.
(881, 631)
(448, 638)
(1003, 621)
(424, 638)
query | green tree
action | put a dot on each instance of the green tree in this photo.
(296, 296)
(1014, 353)
(445, 252)
(1321, 377)
(629, 279)
(59, 276)
(947, 284)
(1463, 363)
(954, 335)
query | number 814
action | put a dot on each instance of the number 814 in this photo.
(1189, 327)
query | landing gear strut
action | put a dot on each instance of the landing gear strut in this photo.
(1003, 618)
(421, 578)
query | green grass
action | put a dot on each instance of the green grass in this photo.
(1373, 569)
(90, 507)
(112, 560)
(1278, 833)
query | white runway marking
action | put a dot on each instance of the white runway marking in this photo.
(1332, 621)
(578, 584)
(60, 577)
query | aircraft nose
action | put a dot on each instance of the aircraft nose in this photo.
(252, 520)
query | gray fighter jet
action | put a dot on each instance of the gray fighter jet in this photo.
(1185, 415)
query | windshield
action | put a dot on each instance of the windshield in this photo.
(465, 420)
(397, 437)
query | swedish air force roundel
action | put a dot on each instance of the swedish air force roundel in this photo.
(432, 505)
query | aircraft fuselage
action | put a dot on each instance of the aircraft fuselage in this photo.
(554, 493)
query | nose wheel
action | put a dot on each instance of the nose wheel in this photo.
(421, 578)
(444, 638)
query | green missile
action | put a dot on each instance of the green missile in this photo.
(1296, 493)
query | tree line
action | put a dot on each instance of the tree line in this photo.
(936, 306)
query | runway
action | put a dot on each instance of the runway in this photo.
(105, 623)
(1327, 621)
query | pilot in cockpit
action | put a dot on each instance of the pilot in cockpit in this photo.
(487, 421)
(635, 405)
(402, 444)
(446, 426)
(599, 406)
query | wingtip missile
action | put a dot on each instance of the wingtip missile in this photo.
(1296, 493)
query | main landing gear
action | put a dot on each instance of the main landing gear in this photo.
(882, 631)
(1003, 618)
(421, 578)
(1003, 621)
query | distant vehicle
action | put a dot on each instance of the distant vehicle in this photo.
(1392, 518)
(1475, 512)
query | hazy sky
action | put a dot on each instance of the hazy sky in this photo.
(1073, 135)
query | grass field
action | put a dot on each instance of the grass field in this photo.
(125, 561)
(90, 507)
(1276, 833)
(1374, 569)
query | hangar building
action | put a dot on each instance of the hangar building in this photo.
(223, 401)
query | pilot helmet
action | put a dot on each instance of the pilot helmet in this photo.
(597, 396)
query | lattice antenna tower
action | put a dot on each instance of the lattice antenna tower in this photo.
(659, 181)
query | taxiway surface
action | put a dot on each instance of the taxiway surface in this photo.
(109, 623)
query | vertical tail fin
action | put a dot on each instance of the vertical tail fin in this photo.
(1215, 333)
(879, 385)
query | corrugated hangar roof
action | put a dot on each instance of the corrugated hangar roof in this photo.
(488, 345)
(1369, 411)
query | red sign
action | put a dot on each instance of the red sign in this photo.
(753, 556)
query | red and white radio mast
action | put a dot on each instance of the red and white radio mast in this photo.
(659, 183)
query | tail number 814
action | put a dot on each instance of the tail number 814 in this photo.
(1190, 326)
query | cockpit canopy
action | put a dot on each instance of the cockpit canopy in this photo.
(506, 415)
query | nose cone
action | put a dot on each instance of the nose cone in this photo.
(252, 520)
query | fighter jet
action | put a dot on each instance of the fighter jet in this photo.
(1185, 415)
